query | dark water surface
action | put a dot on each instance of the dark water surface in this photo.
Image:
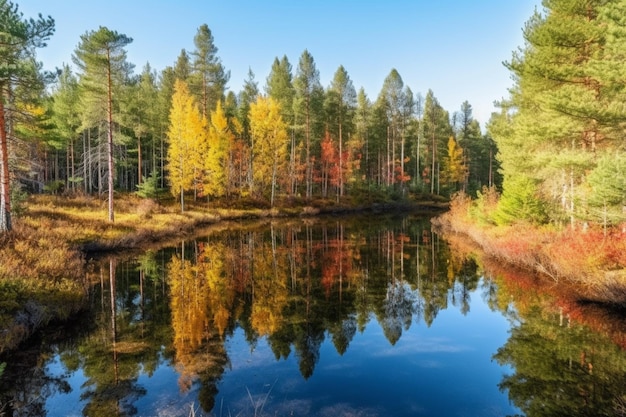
(328, 317)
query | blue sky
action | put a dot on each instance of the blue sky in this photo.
(453, 47)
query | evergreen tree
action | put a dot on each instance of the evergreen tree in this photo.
(607, 183)
(308, 105)
(362, 120)
(279, 86)
(566, 106)
(101, 57)
(437, 130)
(208, 78)
(246, 97)
(140, 116)
(340, 106)
(19, 38)
(399, 106)
(66, 118)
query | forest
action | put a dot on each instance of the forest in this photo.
(100, 127)
(553, 155)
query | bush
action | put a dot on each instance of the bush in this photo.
(520, 202)
(485, 205)
(149, 187)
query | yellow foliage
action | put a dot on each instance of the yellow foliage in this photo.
(215, 161)
(454, 167)
(269, 133)
(186, 136)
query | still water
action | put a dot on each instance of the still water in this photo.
(325, 317)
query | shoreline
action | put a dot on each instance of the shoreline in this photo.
(47, 281)
(562, 258)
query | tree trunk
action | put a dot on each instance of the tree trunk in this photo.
(110, 135)
(139, 161)
(5, 193)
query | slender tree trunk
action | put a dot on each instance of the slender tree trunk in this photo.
(490, 167)
(139, 161)
(309, 168)
(72, 163)
(274, 169)
(417, 161)
(292, 163)
(110, 135)
(84, 163)
(67, 164)
(388, 165)
(434, 161)
(403, 181)
(5, 193)
(340, 193)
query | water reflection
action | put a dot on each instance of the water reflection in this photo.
(378, 317)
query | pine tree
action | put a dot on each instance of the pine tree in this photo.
(437, 130)
(19, 38)
(66, 119)
(566, 107)
(208, 77)
(308, 105)
(340, 107)
(279, 86)
(101, 57)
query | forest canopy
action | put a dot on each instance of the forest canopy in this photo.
(561, 133)
(555, 150)
(101, 123)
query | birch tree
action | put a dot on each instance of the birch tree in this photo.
(185, 134)
(270, 137)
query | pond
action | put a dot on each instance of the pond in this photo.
(317, 317)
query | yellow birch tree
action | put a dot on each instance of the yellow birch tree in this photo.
(216, 155)
(269, 134)
(185, 135)
(455, 169)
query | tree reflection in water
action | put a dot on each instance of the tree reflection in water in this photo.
(297, 284)
(567, 355)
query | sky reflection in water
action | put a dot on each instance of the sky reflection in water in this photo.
(387, 296)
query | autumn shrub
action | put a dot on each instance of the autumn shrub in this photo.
(483, 208)
(310, 211)
(147, 207)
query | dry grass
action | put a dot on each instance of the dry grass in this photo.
(42, 268)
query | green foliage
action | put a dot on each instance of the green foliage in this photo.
(208, 77)
(150, 187)
(483, 208)
(54, 187)
(565, 109)
(18, 198)
(607, 184)
(520, 202)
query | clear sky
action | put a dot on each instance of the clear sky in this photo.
(453, 47)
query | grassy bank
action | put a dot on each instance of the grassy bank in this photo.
(588, 260)
(42, 266)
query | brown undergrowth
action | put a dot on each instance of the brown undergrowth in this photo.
(591, 262)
